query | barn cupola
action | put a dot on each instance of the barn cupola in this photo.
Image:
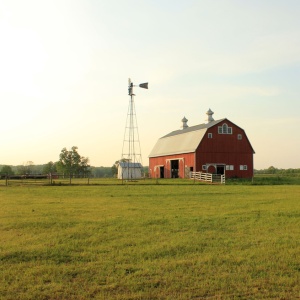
(209, 116)
(184, 123)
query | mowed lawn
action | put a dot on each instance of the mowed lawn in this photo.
(187, 241)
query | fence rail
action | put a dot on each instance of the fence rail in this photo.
(43, 179)
(65, 179)
(208, 177)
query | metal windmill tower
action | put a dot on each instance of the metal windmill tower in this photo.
(131, 151)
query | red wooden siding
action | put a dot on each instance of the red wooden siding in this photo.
(186, 161)
(226, 149)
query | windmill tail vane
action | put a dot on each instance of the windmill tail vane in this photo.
(131, 85)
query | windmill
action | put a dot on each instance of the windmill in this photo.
(131, 163)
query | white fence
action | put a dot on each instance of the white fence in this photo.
(208, 177)
(223, 179)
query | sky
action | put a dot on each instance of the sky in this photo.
(64, 69)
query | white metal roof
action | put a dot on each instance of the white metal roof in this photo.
(181, 141)
(129, 164)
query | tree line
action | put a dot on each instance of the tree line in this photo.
(274, 170)
(51, 167)
(70, 163)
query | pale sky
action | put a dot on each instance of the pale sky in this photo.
(64, 67)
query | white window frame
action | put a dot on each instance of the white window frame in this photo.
(239, 136)
(224, 129)
(229, 167)
(210, 135)
(243, 167)
(204, 167)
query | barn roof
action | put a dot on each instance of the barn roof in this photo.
(181, 141)
(130, 165)
(194, 128)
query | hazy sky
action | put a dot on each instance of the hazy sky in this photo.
(64, 67)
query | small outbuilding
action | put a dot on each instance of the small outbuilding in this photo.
(217, 147)
(130, 170)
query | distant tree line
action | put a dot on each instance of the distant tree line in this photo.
(70, 163)
(273, 170)
(52, 167)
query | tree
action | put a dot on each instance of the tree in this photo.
(272, 170)
(84, 166)
(50, 167)
(101, 172)
(114, 168)
(7, 170)
(26, 168)
(70, 162)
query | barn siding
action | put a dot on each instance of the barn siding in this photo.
(185, 161)
(226, 149)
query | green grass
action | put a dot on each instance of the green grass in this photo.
(142, 241)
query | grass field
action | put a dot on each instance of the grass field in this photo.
(150, 241)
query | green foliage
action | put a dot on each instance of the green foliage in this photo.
(101, 172)
(166, 241)
(273, 170)
(114, 168)
(26, 168)
(70, 162)
(7, 170)
(50, 167)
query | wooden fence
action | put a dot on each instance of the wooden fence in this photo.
(208, 177)
(42, 179)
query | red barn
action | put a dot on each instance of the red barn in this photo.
(218, 147)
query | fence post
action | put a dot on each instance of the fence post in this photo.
(6, 179)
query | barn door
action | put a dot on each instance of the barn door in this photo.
(162, 172)
(174, 168)
(220, 169)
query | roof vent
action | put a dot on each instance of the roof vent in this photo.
(184, 123)
(209, 116)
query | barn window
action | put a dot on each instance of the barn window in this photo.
(243, 167)
(224, 129)
(229, 167)
(210, 135)
(239, 136)
(204, 168)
